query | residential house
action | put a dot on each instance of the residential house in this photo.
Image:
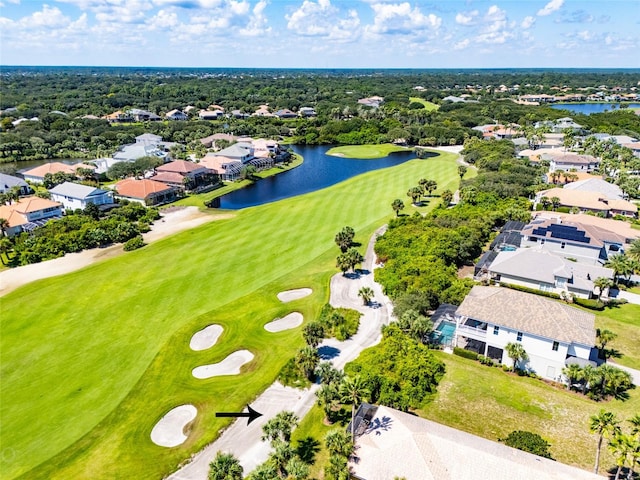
(307, 112)
(139, 115)
(552, 333)
(73, 195)
(37, 174)
(196, 173)
(286, 113)
(561, 160)
(149, 139)
(605, 227)
(210, 114)
(373, 102)
(608, 190)
(145, 191)
(228, 169)
(590, 202)
(210, 141)
(7, 182)
(634, 147)
(130, 153)
(242, 152)
(29, 213)
(394, 444)
(263, 111)
(118, 117)
(544, 271)
(537, 98)
(176, 115)
(590, 244)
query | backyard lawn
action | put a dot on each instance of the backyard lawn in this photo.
(366, 151)
(91, 360)
(490, 403)
(624, 321)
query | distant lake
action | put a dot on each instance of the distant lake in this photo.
(589, 108)
(318, 170)
(12, 168)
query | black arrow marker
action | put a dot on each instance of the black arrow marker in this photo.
(251, 414)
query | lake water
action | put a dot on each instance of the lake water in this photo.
(15, 167)
(589, 108)
(317, 171)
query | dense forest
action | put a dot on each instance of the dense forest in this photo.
(58, 98)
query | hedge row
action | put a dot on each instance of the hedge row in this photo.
(530, 290)
(461, 352)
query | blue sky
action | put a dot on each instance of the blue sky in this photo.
(321, 33)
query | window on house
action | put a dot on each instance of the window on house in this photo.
(496, 330)
(555, 346)
(519, 337)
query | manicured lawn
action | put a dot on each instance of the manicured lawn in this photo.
(427, 105)
(91, 360)
(365, 151)
(625, 322)
(487, 402)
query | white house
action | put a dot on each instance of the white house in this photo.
(569, 161)
(307, 112)
(176, 115)
(554, 334)
(7, 182)
(540, 270)
(73, 195)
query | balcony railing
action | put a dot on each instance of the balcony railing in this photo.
(471, 331)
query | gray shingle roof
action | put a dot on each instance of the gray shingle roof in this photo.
(526, 312)
(75, 190)
(8, 181)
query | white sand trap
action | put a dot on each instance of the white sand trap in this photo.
(205, 338)
(229, 366)
(292, 320)
(291, 295)
(169, 431)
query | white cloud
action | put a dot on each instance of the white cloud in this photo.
(495, 28)
(550, 7)
(258, 23)
(323, 19)
(468, 18)
(462, 44)
(401, 18)
(528, 22)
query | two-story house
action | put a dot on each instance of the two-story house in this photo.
(29, 213)
(73, 195)
(553, 334)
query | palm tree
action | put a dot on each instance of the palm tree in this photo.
(604, 337)
(545, 202)
(366, 293)
(397, 205)
(516, 352)
(621, 446)
(635, 425)
(601, 283)
(329, 375)
(327, 399)
(415, 193)
(591, 376)
(313, 334)
(297, 469)
(633, 251)
(554, 176)
(307, 359)
(225, 467)
(344, 238)
(5, 247)
(279, 428)
(4, 225)
(620, 265)
(555, 202)
(343, 262)
(462, 170)
(430, 186)
(355, 257)
(604, 424)
(339, 442)
(353, 390)
(573, 372)
(281, 456)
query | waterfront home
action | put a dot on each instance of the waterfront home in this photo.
(37, 174)
(228, 169)
(7, 182)
(553, 333)
(74, 195)
(29, 213)
(587, 201)
(145, 191)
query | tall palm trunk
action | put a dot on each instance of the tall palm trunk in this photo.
(595, 470)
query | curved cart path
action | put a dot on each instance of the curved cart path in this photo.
(244, 441)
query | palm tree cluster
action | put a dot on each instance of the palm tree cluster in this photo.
(424, 187)
(625, 447)
(598, 382)
(349, 260)
(328, 396)
(340, 446)
(516, 353)
(625, 264)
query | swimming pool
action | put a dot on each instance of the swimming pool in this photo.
(443, 333)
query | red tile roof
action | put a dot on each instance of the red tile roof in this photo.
(142, 189)
(179, 166)
(15, 213)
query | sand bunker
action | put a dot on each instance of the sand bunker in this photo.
(292, 320)
(205, 338)
(229, 366)
(169, 431)
(291, 295)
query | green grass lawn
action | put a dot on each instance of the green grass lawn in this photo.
(427, 105)
(490, 403)
(625, 322)
(365, 151)
(91, 360)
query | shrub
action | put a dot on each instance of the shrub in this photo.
(591, 304)
(528, 442)
(291, 376)
(134, 243)
(530, 290)
(461, 352)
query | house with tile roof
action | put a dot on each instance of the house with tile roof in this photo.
(544, 271)
(36, 175)
(176, 114)
(147, 192)
(188, 175)
(587, 201)
(29, 213)
(74, 195)
(553, 333)
(595, 184)
(569, 161)
(228, 169)
(393, 444)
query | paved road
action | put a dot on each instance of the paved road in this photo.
(245, 441)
